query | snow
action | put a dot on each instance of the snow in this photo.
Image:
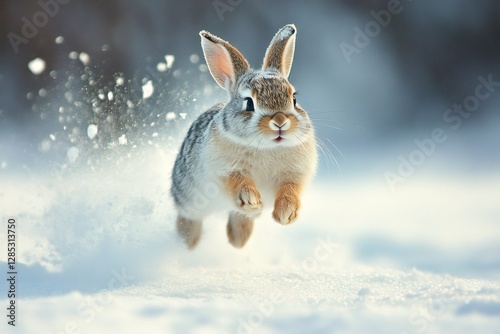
(59, 40)
(170, 116)
(285, 33)
(122, 140)
(194, 58)
(100, 254)
(203, 68)
(84, 58)
(92, 131)
(45, 145)
(73, 154)
(37, 66)
(154, 309)
(170, 61)
(161, 67)
(147, 89)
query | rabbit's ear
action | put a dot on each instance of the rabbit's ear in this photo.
(279, 54)
(225, 62)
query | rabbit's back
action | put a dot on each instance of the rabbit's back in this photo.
(189, 169)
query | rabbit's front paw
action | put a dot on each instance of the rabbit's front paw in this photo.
(245, 193)
(249, 200)
(285, 211)
(287, 204)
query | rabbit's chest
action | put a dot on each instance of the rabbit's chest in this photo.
(269, 168)
(265, 166)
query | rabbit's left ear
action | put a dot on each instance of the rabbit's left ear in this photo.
(279, 54)
(225, 62)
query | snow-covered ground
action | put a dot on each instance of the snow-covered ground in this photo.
(98, 253)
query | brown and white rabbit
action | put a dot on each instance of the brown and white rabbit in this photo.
(258, 149)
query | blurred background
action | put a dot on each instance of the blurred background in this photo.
(371, 94)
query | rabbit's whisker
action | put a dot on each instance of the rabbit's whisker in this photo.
(328, 153)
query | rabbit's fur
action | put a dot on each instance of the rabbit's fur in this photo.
(238, 158)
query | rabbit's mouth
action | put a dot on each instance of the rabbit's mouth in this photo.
(279, 138)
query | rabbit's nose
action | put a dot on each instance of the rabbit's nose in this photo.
(279, 122)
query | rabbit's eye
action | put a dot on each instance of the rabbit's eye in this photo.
(294, 99)
(249, 103)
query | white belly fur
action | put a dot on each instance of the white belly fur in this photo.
(267, 167)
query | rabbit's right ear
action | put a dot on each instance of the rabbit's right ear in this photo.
(279, 54)
(225, 62)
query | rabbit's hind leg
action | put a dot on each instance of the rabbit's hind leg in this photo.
(189, 230)
(239, 229)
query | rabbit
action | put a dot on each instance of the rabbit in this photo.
(258, 149)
